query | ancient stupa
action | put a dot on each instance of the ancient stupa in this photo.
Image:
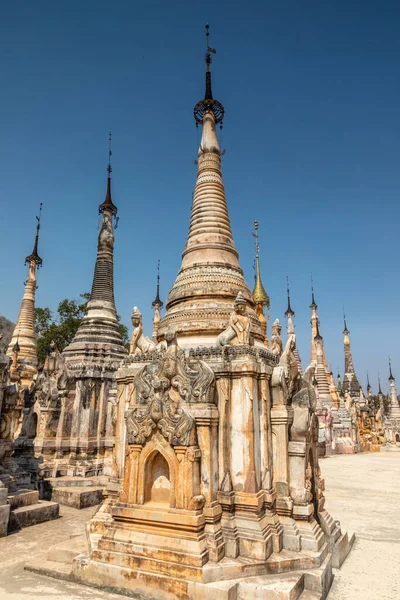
(216, 490)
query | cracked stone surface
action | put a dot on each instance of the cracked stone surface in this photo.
(363, 492)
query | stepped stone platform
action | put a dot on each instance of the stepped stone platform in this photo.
(77, 492)
(285, 576)
(26, 509)
(32, 514)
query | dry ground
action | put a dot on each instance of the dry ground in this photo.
(363, 492)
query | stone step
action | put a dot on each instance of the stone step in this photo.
(307, 595)
(68, 550)
(25, 516)
(22, 498)
(271, 588)
(59, 570)
(77, 496)
(289, 560)
(261, 587)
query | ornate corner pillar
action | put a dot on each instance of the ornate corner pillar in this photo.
(281, 418)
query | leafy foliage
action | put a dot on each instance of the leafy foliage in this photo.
(62, 328)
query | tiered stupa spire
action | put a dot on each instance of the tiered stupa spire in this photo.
(260, 296)
(314, 323)
(98, 334)
(23, 341)
(350, 381)
(201, 299)
(289, 314)
(394, 408)
(323, 390)
(157, 305)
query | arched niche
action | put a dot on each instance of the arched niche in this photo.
(157, 459)
(157, 484)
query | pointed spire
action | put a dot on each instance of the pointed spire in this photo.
(35, 255)
(345, 330)
(313, 303)
(157, 301)
(260, 296)
(108, 203)
(368, 384)
(318, 336)
(208, 103)
(201, 300)
(98, 338)
(289, 311)
(23, 341)
(379, 384)
(391, 378)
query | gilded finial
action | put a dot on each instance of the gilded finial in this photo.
(260, 296)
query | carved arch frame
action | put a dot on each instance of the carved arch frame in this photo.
(157, 444)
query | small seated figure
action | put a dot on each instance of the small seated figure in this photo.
(140, 344)
(238, 332)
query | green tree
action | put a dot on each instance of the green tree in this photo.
(64, 326)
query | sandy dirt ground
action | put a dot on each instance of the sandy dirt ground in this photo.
(363, 492)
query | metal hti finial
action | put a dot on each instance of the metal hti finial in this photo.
(289, 310)
(35, 256)
(313, 303)
(391, 378)
(157, 300)
(208, 104)
(345, 330)
(109, 167)
(108, 203)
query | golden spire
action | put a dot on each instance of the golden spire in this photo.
(260, 296)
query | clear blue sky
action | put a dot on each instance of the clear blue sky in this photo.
(311, 91)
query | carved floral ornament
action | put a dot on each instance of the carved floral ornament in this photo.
(162, 387)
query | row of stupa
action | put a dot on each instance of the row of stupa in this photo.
(208, 438)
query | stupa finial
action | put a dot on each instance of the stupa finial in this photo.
(35, 256)
(157, 300)
(208, 103)
(108, 203)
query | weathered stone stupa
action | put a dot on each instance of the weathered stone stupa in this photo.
(392, 419)
(23, 341)
(217, 488)
(75, 393)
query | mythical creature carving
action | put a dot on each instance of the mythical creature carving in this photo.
(51, 379)
(140, 344)
(161, 388)
(276, 342)
(238, 331)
